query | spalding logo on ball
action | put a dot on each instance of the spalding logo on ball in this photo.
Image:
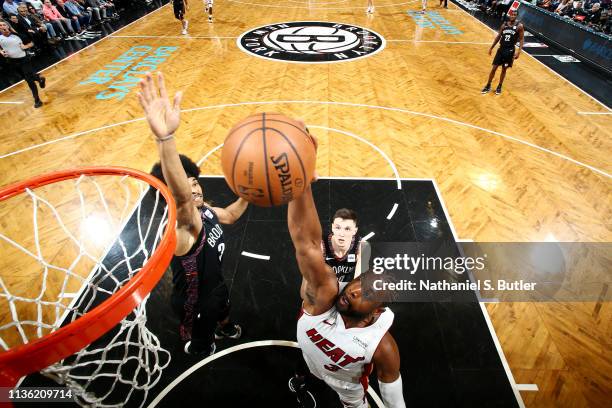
(268, 159)
(311, 42)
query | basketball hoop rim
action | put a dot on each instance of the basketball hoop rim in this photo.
(67, 340)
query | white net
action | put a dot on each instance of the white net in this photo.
(67, 247)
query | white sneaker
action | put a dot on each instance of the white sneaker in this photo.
(184, 32)
(210, 19)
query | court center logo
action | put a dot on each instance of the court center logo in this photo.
(311, 42)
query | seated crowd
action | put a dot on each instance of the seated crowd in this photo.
(594, 14)
(48, 22)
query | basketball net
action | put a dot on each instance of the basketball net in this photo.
(85, 239)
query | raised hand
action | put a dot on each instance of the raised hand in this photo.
(163, 118)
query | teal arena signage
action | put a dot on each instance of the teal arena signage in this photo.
(122, 74)
(433, 19)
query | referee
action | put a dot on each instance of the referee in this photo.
(13, 50)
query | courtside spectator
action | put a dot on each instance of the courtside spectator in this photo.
(37, 16)
(60, 22)
(59, 6)
(75, 10)
(9, 7)
(562, 6)
(35, 27)
(38, 4)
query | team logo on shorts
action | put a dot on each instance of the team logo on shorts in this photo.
(311, 42)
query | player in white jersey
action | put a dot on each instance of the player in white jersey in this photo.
(342, 335)
(208, 8)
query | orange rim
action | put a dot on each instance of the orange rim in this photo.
(67, 340)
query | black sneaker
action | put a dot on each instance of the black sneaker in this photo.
(305, 399)
(498, 90)
(204, 353)
(42, 82)
(38, 103)
(230, 331)
(486, 89)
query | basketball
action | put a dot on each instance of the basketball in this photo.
(268, 159)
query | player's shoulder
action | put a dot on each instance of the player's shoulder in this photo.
(387, 347)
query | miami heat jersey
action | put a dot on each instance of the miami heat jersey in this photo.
(345, 266)
(338, 355)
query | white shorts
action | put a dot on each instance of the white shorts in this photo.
(351, 395)
(209, 3)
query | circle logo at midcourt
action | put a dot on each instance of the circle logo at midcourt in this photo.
(311, 42)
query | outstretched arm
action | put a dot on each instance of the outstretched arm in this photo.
(387, 361)
(320, 284)
(232, 212)
(164, 119)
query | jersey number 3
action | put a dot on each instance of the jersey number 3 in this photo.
(221, 249)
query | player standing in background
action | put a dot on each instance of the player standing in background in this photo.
(509, 34)
(208, 8)
(370, 9)
(180, 8)
(343, 248)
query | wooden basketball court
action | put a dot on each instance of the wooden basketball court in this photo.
(527, 165)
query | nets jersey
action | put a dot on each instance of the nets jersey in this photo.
(344, 267)
(337, 355)
(205, 259)
(509, 36)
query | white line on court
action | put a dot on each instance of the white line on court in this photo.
(370, 235)
(391, 109)
(527, 387)
(244, 346)
(540, 62)
(595, 113)
(483, 309)
(256, 256)
(392, 212)
(207, 37)
(440, 42)
(372, 145)
(323, 8)
(182, 37)
(83, 49)
(207, 155)
(11, 102)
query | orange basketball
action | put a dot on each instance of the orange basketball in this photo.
(268, 159)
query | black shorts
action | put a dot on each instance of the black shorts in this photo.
(179, 9)
(504, 57)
